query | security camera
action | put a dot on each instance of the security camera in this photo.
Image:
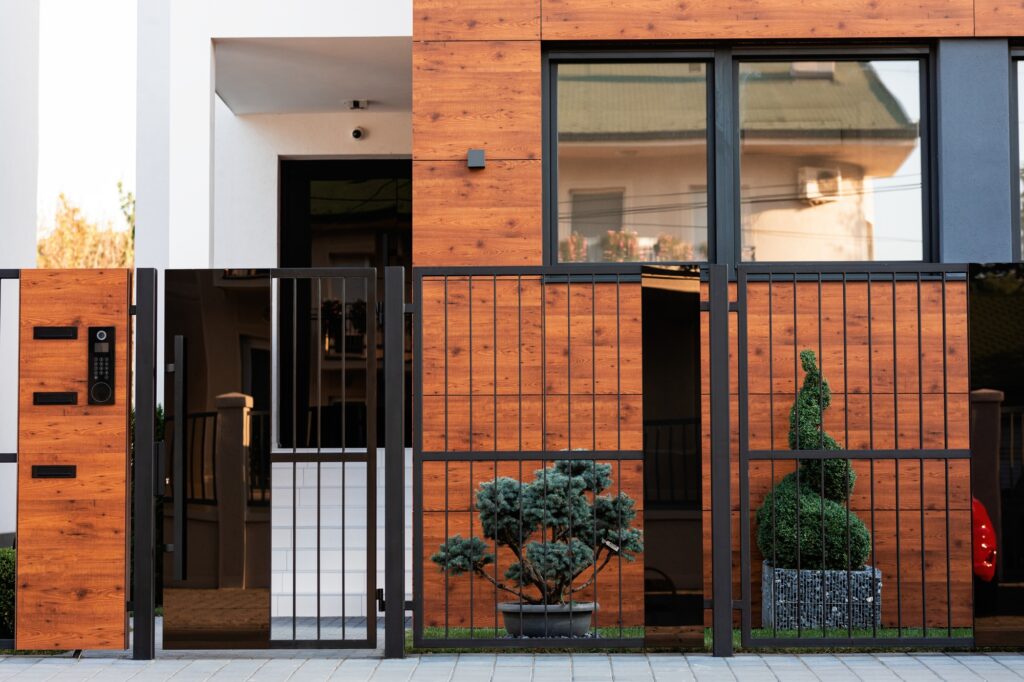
(358, 133)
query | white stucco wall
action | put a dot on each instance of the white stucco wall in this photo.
(182, 186)
(246, 156)
(19, 142)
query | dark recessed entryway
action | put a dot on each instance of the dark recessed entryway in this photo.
(673, 537)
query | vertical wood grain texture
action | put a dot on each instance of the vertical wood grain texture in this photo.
(931, 383)
(476, 94)
(478, 20)
(513, 364)
(754, 19)
(477, 217)
(72, 546)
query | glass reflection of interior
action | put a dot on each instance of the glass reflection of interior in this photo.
(830, 165)
(632, 162)
(222, 597)
(997, 450)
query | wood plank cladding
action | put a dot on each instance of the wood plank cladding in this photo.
(478, 94)
(467, 216)
(72, 547)
(893, 365)
(754, 19)
(518, 364)
(478, 20)
(995, 18)
(513, 363)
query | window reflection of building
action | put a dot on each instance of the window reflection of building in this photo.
(826, 147)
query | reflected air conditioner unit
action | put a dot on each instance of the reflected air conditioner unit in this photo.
(817, 185)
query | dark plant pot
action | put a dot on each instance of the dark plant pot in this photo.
(825, 597)
(547, 620)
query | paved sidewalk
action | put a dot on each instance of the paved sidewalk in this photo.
(331, 665)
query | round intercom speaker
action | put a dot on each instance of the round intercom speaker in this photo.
(101, 335)
(100, 392)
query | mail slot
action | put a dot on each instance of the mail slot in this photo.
(54, 398)
(54, 471)
(55, 333)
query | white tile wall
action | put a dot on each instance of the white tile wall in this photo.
(343, 556)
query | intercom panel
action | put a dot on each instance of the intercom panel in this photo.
(102, 363)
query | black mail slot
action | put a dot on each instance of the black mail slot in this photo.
(55, 333)
(55, 398)
(54, 471)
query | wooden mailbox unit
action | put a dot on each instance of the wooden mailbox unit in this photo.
(73, 517)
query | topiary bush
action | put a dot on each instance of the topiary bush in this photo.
(830, 537)
(6, 593)
(557, 526)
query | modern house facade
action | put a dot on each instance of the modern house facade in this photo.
(620, 226)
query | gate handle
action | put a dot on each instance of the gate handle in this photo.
(180, 458)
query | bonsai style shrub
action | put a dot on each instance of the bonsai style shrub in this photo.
(558, 527)
(824, 485)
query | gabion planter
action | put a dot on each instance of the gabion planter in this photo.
(861, 601)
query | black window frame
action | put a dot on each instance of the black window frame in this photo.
(1016, 157)
(723, 132)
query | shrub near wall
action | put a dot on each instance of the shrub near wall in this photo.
(6, 593)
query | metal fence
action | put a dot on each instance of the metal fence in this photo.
(527, 404)
(863, 528)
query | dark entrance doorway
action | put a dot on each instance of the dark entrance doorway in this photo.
(345, 213)
(673, 569)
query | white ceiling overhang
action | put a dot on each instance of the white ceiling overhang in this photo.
(304, 75)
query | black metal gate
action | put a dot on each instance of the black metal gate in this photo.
(273, 456)
(862, 478)
(324, 456)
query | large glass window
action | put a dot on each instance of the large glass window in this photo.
(830, 160)
(632, 167)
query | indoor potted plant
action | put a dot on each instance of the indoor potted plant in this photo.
(620, 246)
(561, 530)
(814, 573)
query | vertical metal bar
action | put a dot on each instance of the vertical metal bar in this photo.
(447, 449)
(824, 462)
(871, 463)
(319, 428)
(295, 441)
(469, 513)
(344, 447)
(145, 469)
(743, 410)
(544, 422)
(945, 445)
(494, 386)
(846, 443)
(568, 430)
(394, 462)
(771, 437)
(180, 454)
(593, 420)
(920, 434)
(721, 531)
(796, 402)
(618, 422)
(896, 462)
(370, 582)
